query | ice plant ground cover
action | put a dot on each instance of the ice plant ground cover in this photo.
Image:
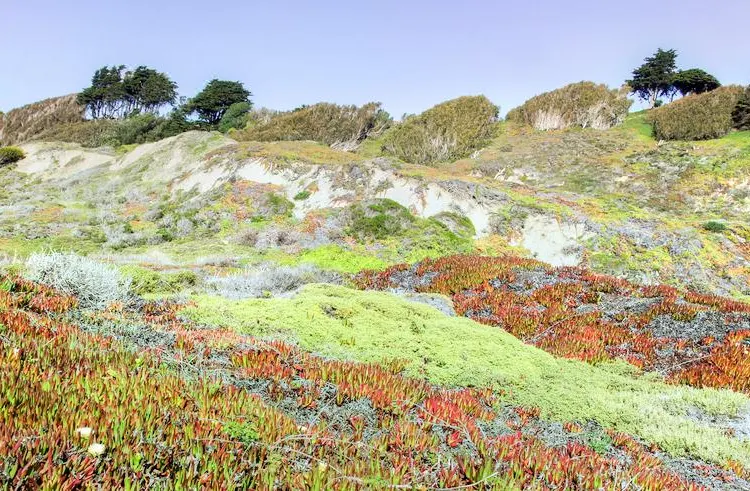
(691, 338)
(139, 398)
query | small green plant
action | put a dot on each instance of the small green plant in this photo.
(245, 432)
(380, 220)
(714, 226)
(697, 116)
(302, 195)
(10, 155)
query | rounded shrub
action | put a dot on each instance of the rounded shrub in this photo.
(697, 116)
(10, 155)
(449, 131)
(338, 126)
(583, 104)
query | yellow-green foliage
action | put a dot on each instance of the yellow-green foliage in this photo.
(147, 281)
(446, 132)
(94, 133)
(697, 116)
(24, 123)
(327, 123)
(10, 155)
(377, 326)
(583, 104)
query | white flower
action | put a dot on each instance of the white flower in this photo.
(322, 466)
(96, 449)
(16, 352)
(85, 432)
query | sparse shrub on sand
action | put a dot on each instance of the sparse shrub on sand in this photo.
(95, 284)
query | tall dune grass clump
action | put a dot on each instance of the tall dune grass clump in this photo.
(697, 116)
(95, 284)
(449, 131)
(343, 127)
(10, 155)
(24, 123)
(583, 104)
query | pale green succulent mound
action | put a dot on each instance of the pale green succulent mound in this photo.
(376, 326)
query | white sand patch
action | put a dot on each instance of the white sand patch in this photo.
(555, 242)
(59, 160)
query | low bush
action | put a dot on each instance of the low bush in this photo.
(446, 132)
(741, 112)
(140, 128)
(146, 281)
(10, 155)
(583, 104)
(380, 219)
(343, 127)
(697, 116)
(95, 284)
(714, 226)
(270, 280)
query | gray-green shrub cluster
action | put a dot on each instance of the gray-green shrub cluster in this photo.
(270, 280)
(332, 124)
(697, 116)
(448, 131)
(582, 104)
(96, 285)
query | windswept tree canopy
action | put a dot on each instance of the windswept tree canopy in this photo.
(118, 93)
(654, 78)
(215, 99)
(694, 81)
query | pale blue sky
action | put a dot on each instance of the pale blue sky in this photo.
(407, 54)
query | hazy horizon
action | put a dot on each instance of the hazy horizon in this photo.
(409, 56)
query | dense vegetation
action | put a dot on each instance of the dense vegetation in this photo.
(141, 398)
(27, 122)
(118, 93)
(658, 77)
(10, 155)
(212, 103)
(448, 131)
(338, 126)
(698, 116)
(583, 104)
(741, 112)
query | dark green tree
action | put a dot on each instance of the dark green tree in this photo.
(236, 117)
(105, 97)
(654, 78)
(741, 113)
(694, 81)
(117, 93)
(147, 90)
(215, 99)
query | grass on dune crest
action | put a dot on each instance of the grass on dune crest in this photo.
(376, 326)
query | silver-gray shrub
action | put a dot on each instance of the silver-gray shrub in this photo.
(95, 284)
(270, 280)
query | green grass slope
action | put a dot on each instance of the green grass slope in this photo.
(374, 326)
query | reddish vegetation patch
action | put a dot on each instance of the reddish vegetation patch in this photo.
(237, 418)
(575, 313)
